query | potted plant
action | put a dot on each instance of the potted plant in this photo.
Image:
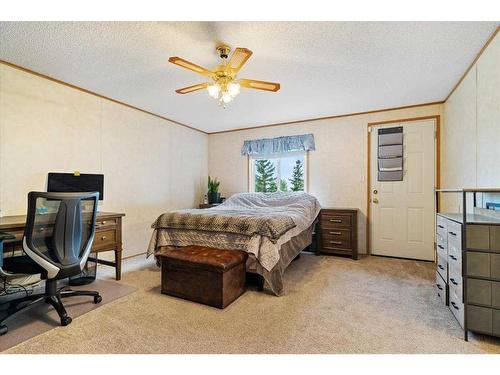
(213, 190)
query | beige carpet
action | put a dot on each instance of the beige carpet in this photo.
(42, 317)
(332, 305)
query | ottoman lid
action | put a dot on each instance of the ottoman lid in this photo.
(205, 257)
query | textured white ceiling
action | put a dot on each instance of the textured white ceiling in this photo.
(325, 68)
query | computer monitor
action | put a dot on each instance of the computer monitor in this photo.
(72, 182)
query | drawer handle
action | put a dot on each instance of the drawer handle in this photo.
(103, 238)
(452, 257)
(441, 247)
(454, 305)
(440, 267)
(335, 220)
(439, 287)
(452, 233)
(440, 226)
(336, 242)
(453, 281)
(336, 233)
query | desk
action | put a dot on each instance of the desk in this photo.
(108, 236)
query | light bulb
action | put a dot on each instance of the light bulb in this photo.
(226, 97)
(233, 88)
(213, 91)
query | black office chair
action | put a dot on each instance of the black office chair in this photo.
(57, 241)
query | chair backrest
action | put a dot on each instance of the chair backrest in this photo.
(60, 230)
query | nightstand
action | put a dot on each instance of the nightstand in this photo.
(337, 232)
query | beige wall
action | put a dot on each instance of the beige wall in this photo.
(337, 169)
(471, 139)
(150, 165)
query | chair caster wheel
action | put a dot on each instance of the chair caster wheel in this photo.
(66, 321)
(97, 299)
(3, 330)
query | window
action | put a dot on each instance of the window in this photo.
(280, 172)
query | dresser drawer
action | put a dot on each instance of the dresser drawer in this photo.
(480, 319)
(455, 282)
(442, 226)
(454, 230)
(479, 264)
(337, 234)
(478, 237)
(104, 239)
(455, 259)
(442, 290)
(483, 292)
(442, 267)
(441, 246)
(457, 307)
(334, 220)
(495, 238)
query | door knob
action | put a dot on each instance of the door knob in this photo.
(375, 200)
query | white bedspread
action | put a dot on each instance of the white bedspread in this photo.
(303, 208)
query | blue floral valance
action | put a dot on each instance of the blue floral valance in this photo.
(279, 145)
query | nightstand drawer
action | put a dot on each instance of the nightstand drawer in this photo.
(337, 234)
(335, 220)
(337, 244)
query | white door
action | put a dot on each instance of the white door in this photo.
(402, 212)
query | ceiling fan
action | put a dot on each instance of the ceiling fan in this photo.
(224, 85)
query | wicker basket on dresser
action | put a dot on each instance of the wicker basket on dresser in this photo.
(337, 232)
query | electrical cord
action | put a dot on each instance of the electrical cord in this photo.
(10, 288)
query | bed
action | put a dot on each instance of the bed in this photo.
(272, 227)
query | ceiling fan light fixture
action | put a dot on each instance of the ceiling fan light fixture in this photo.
(226, 97)
(213, 90)
(225, 86)
(233, 89)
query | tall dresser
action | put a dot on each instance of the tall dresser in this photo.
(468, 269)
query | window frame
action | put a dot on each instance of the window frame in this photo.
(251, 167)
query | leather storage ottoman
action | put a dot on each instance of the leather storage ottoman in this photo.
(206, 275)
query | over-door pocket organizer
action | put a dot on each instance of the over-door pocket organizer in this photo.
(390, 154)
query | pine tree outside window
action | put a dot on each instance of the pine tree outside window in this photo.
(278, 172)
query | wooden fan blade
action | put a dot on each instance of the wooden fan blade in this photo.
(189, 65)
(187, 90)
(239, 58)
(259, 85)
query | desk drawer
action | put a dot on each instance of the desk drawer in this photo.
(101, 223)
(334, 220)
(104, 239)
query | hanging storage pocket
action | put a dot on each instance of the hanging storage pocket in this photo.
(390, 154)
